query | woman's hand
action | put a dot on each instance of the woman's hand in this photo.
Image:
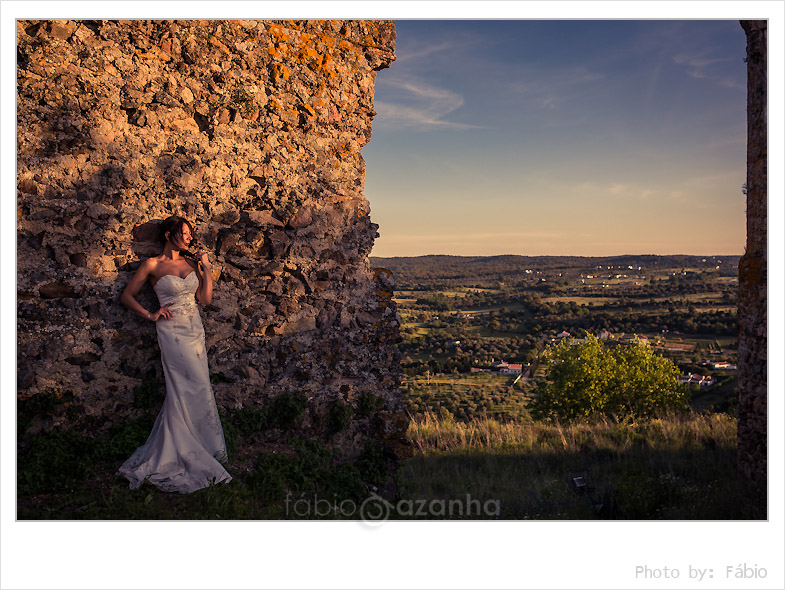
(164, 312)
(205, 291)
(204, 262)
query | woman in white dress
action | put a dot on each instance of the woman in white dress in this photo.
(186, 447)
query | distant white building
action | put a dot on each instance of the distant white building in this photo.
(722, 365)
(633, 338)
(511, 369)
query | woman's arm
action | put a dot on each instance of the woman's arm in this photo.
(128, 298)
(205, 291)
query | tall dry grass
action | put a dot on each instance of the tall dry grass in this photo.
(429, 432)
(673, 467)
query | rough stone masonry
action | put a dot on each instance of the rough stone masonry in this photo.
(252, 130)
(753, 281)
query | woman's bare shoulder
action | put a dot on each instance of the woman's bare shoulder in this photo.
(149, 265)
(151, 262)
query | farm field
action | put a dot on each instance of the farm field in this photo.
(457, 314)
(468, 396)
(580, 300)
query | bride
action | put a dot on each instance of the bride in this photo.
(186, 447)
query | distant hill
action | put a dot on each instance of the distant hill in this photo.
(444, 270)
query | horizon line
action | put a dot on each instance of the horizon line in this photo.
(552, 255)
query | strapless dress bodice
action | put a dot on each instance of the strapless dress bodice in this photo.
(179, 292)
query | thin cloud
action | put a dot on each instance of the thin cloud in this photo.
(418, 52)
(615, 189)
(420, 105)
(696, 62)
(440, 95)
(706, 68)
(631, 191)
(557, 88)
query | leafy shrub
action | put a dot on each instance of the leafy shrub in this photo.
(270, 475)
(368, 403)
(372, 464)
(123, 439)
(247, 420)
(150, 392)
(287, 409)
(625, 382)
(339, 417)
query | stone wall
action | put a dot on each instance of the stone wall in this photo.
(252, 130)
(753, 267)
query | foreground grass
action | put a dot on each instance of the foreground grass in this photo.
(262, 482)
(67, 475)
(675, 467)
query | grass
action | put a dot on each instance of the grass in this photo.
(675, 467)
(63, 474)
(262, 482)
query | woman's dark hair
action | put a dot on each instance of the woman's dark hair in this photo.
(173, 226)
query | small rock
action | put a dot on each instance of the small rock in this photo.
(262, 218)
(100, 211)
(228, 216)
(56, 290)
(303, 218)
(187, 96)
(62, 30)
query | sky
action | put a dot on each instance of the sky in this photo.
(556, 137)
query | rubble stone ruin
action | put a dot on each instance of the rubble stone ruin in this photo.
(251, 130)
(753, 279)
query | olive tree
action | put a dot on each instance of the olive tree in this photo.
(589, 378)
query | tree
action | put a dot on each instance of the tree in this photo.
(588, 378)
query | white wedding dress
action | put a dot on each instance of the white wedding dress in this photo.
(186, 447)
